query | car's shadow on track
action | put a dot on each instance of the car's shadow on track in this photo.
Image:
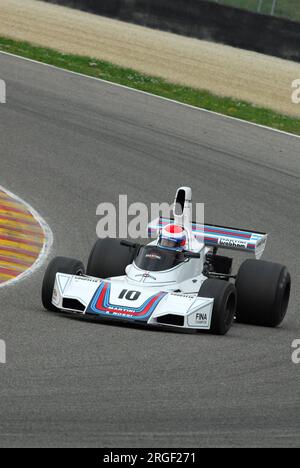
(118, 323)
(125, 324)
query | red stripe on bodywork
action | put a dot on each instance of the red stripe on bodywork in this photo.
(235, 233)
(227, 233)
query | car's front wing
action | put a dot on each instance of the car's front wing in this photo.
(115, 300)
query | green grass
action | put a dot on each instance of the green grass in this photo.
(287, 8)
(151, 84)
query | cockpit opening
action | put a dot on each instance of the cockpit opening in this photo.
(154, 258)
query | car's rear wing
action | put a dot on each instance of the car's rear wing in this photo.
(219, 236)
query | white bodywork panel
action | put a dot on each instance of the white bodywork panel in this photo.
(150, 305)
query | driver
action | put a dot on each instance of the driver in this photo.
(173, 238)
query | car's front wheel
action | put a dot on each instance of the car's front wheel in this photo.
(69, 266)
(224, 295)
(109, 258)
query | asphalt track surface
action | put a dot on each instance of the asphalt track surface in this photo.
(69, 143)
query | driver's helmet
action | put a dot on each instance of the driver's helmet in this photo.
(172, 237)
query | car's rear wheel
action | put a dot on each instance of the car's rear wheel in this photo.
(109, 258)
(224, 295)
(58, 265)
(263, 292)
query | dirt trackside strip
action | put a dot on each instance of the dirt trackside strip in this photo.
(224, 71)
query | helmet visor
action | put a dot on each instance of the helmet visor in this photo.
(170, 243)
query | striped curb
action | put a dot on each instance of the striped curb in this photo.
(23, 237)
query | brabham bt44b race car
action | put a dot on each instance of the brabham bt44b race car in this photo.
(178, 280)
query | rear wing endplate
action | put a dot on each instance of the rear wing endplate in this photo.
(220, 237)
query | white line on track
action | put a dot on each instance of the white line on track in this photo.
(47, 243)
(200, 109)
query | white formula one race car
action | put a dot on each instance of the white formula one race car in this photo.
(179, 280)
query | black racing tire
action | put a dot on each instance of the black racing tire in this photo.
(224, 295)
(69, 266)
(263, 293)
(109, 258)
